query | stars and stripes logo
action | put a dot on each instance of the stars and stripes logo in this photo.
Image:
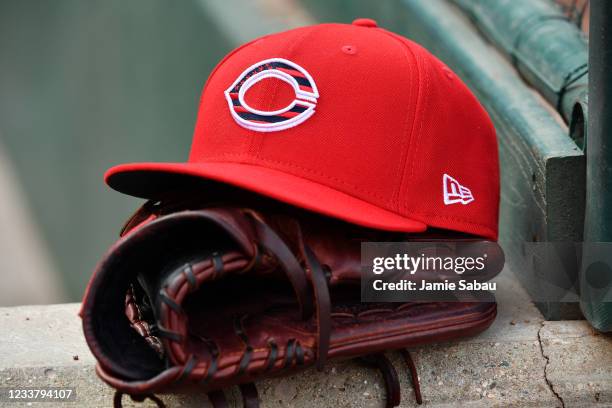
(300, 109)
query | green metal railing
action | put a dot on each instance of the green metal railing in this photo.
(596, 276)
(547, 49)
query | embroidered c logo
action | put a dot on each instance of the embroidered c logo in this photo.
(300, 109)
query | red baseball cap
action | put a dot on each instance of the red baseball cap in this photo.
(351, 121)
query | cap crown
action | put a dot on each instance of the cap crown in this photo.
(378, 118)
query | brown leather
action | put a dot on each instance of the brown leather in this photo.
(140, 323)
(238, 295)
(390, 377)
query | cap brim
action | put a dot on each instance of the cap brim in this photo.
(146, 179)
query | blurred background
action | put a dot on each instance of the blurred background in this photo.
(87, 84)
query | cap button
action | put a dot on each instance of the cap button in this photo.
(365, 22)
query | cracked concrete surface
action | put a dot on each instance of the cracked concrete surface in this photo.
(551, 386)
(521, 361)
(579, 363)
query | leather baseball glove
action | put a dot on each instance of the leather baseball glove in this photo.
(201, 296)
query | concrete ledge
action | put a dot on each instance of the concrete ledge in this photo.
(520, 361)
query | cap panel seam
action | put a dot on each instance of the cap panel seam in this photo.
(406, 153)
(257, 142)
(405, 207)
(422, 107)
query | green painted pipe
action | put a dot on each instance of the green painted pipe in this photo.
(548, 50)
(596, 273)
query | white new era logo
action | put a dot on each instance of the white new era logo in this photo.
(454, 192)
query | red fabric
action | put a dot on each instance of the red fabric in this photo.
(389, 122)
(270, 94)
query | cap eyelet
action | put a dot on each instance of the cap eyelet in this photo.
(349, 49)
